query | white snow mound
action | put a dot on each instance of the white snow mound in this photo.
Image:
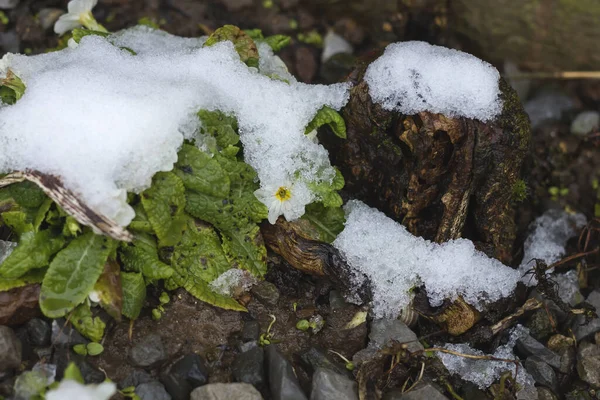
(106, 121)
(411, 77)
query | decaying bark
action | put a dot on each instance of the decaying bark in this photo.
(443, 178)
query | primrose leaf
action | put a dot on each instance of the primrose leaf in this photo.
(140, 223)
(245, 249)
(277, 42)
(197, 261)
(109, 289)
(221, 126)
(328, 116)
(26, 194)
(12, 88)
(73, 273)
(164, 203)
(79, 33)
(327, 192)
(89, 326)
(134, 294)
(33, 276)
(244, 45)
(142, 256)
(255, 34)
(200, 172)
(328, 221)
(33, 251)
(72, 373)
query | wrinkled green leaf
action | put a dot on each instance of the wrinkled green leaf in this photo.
(33, 251)
(79, 33)
(328, 221)
(164, 203)
(12, 88)
(72, 372)
(89, 326)
(197, 261)
(243, 44)
(327, 192)
(140, 223)
(142, 256)
(278, 42)
(245, 249)
(33, 276)
(26, 194)
(18, 221)
(221, 126)
(134, 294)
(80, 349)
(200, 172)
(73, 273)
(328, 116)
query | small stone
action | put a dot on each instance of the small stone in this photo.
(39, 332)
(336, 300)
(328, 385)
(546, 394)
(282, 379)
(248, 367)
(424, 391)
(8, 4)
(152, 391)
(10, 349)
(184, 376)
(594, 299)
(587, 349)
(583, 329)
(539, 324)
(148, 352)
(266, 293)
(135, 378)
(306, 63)
(588, 369)
(334, 44)
(568, 357)
(385, 330)
(547, 107)
(585, 122)
(541, 372)
(226, 391)
(250, 331)
(64, 335)
(317, 359)
(531, 347)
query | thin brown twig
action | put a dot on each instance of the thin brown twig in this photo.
(416, 382)
(555, 75)
(571, 258)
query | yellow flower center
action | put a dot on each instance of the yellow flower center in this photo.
(283, 194)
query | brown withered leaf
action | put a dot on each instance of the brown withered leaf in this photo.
(110, 290)
(19, 305)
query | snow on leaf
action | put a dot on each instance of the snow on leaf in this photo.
(244, 45)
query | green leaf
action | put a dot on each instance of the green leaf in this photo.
(278, 42)
(18, 221)
(245, 249)
(12, 88)
(26, 194)
(328, 221)
(34, 276)
(198, 260)
(94, 349)
(200, 172)
(72, 373)
(328, 116)
(140, 223)
(79, 33)
(80, 349)
(164, 203)
(134, 294)
(243, 44)
(73, 273)
(33, 251)
(221, 126)
(142, 256)
(255, 34)
(327, 192)
(89, 326)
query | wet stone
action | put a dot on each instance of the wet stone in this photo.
(541, 372)
(385, 330)
(282, 379)
(226, 391)
(148, 351)
(184, 376)
(585, 122)
(531, 347)
(588, 369)
(587, 349)
(424, 391)
(39, 332)
(64, 335)
(318, 358)
(63, 356)
(266, 293)
(10, 349)
(546, 394)
(248, 367)
(250, 331)
(568, 358)
(244, 347)
(329, 385)
(539, 324)
(135, 378)
(582, 329)
(152, 391)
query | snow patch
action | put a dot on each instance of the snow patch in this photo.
(395, 261)
(411, 77)
(232, 282)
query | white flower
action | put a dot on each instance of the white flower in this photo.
(80, 13)
(94, 296)
(69, 389)
(287, 199)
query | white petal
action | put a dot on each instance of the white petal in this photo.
(81, 6)
(105, 390)
(264, 195)
(66, 23)
(274, 211)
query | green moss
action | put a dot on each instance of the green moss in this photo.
(513, 119)
(519, 190)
